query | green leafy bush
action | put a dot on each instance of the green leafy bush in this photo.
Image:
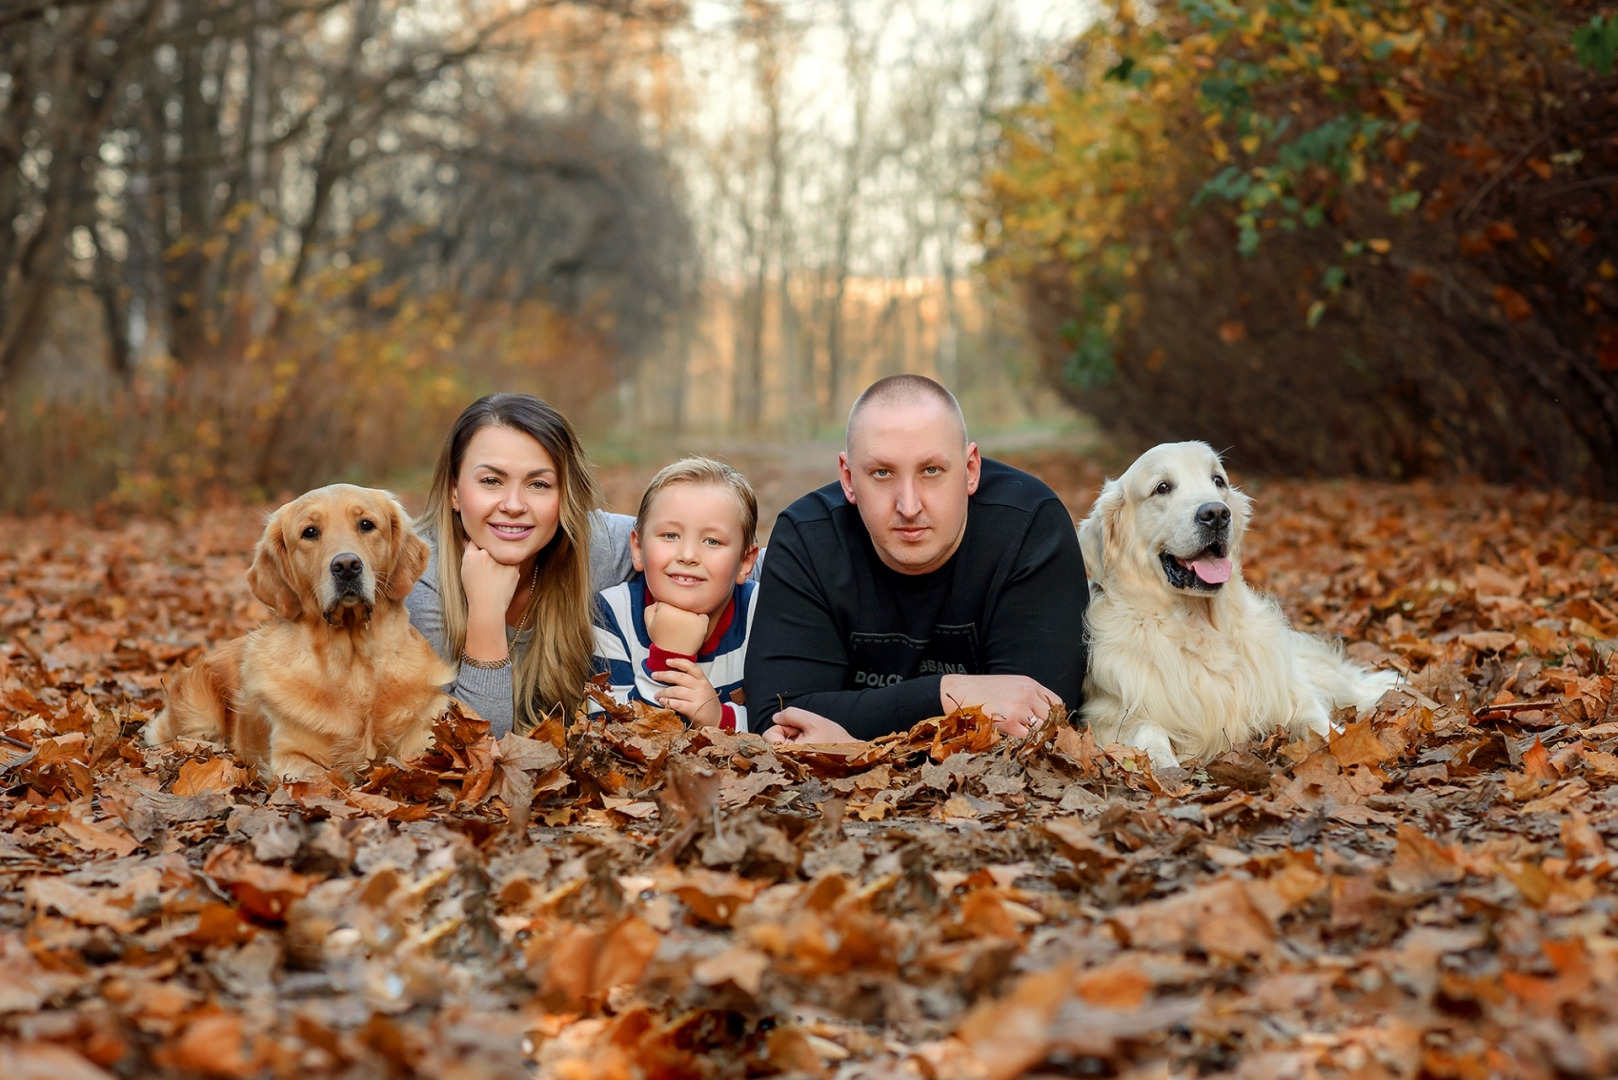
(1371, 236)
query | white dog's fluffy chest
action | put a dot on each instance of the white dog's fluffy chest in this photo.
(1182, 670)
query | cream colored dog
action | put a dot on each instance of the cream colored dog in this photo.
(337, 677)
(1185, 658)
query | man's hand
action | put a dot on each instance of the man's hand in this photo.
(676, 630)
(795, 725)
(690, 693)
(1015, 701)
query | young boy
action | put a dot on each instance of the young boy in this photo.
(676, 634)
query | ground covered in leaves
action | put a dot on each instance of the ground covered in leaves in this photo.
(1430, 894)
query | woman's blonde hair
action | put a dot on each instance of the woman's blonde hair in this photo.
(553, 671)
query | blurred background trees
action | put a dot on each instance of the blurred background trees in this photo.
(251, 245)
(831, 151)
(251, 239)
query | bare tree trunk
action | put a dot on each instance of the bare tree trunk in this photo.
(15, 125)
(750, 372)
(764, 29)
(680, 371)
(834, 319)
(247, 271)
(331, 166)
(796, 362)
(36, 272)
(86, 109)
(949, 332)
(191, 307)
(859, 45)
(114, 294)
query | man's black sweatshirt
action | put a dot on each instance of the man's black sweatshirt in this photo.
(840, 634)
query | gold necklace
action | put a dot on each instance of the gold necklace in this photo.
(528, 609)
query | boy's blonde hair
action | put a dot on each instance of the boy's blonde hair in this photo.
(704, 470)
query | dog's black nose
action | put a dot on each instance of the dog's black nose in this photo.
(347, 567)
(1214, 515)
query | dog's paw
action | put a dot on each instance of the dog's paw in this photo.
(156, 732)
(1317, 719)
(291, 768)
(1374, 685)
(414, 744)
(1155, 741)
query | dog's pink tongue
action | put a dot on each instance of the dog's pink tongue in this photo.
(1213, 571)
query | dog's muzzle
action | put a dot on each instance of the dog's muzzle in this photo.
(1209, 568)
(348, 584)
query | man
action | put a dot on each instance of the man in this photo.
(928, 578)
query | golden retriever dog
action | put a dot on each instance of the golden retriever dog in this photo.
(1185, 658)
(338, 677)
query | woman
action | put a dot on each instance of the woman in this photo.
(519, 553)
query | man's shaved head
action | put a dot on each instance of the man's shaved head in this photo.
(903, 390)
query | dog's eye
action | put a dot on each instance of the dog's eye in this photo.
(367, 525)
(1163, 488)
(1219, 481)
(311, 533)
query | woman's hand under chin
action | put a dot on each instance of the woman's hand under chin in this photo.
(489, 586)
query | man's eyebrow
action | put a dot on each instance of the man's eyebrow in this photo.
(938, 460)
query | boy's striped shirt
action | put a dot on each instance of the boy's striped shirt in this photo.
(624, 650)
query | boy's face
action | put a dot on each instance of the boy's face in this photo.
(693, 553)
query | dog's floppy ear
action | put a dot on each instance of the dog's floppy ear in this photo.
(1098, 532)
(410, 554)
(271, 575)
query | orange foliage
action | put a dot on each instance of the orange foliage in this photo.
(355, 387)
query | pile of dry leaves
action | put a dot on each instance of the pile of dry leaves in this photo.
(1429, 894)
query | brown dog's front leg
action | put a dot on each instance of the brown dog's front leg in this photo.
(200, 699)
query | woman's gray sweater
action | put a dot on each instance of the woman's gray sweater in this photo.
(489, 691)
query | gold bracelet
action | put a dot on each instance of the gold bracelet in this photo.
(486, 665)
